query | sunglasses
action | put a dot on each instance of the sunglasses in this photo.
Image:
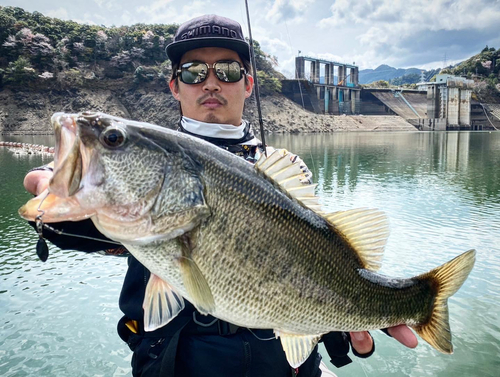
(197, 72)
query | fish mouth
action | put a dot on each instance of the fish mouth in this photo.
(68, 162)
(58, 202)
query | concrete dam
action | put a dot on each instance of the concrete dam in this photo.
(442, 105)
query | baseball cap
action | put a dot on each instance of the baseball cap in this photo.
(208, 31)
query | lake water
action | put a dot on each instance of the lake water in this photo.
(441, 192)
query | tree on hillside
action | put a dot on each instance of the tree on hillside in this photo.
(41, 46)
(411, 78)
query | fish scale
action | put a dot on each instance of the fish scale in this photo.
(251, 250)
(273, 303)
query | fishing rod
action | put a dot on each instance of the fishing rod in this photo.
(256, 81)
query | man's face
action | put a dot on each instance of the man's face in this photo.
(213, 101)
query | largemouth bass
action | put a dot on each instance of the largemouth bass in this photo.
(247, 244)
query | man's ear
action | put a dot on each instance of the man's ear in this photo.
(174, 88)
(248, 86)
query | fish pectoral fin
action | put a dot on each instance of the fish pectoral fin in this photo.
(196, 286)
(366, 230)
(297, 347)
(448, 278)
(161, 303)
(195, 283)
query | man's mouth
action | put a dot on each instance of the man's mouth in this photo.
(211, 103)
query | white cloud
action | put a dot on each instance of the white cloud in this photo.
(154, 7)
(61, 13)
(369, 32)
(288, 10)
(416, 14)
(396, 30)
(274, 46)
(167, 11)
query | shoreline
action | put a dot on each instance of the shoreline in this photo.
(25, 112)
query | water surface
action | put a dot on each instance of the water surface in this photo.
(441, 192)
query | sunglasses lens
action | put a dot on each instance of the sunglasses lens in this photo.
(194, 72)
(228, 71)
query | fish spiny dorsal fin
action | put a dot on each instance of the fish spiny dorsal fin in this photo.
(284, 169)
(366, 230)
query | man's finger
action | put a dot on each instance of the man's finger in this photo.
(361, 341)
(37, 181)
(403, 335)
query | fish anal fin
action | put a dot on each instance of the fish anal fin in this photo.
(161, 303)
(297, 347)
(366, 230)
(195, 283)
(448, 278)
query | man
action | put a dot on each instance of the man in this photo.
(211, 80)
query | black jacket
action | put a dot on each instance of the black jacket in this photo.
(193, 344)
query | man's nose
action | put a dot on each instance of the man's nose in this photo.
(212, 83)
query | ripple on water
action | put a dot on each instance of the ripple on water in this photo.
(441, 194)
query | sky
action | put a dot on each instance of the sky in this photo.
(412, 33)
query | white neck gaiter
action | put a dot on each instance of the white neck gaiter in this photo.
(215, 130)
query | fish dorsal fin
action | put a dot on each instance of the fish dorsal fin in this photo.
(366, 230)
(297, 347)
(284, 169)
(161, 303)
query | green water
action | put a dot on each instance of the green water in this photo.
(441, 192)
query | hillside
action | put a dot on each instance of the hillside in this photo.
(389, 74)
(49, 65)
(484, 69)
(25, 111)
(36, 49)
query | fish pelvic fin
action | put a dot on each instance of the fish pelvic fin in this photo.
(448, 278)
(161, 303)
(366, 230)
(297, 347)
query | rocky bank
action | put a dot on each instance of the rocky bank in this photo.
(27, 110)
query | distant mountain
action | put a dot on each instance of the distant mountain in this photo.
(386, 73)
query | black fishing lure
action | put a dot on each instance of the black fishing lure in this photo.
(42, 250)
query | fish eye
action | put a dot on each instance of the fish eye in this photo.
(113, 137)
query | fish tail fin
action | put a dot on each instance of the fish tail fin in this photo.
(447, 278)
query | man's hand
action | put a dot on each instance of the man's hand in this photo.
(362, 342)
(37, 181)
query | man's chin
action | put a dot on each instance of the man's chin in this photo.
(212, 118)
